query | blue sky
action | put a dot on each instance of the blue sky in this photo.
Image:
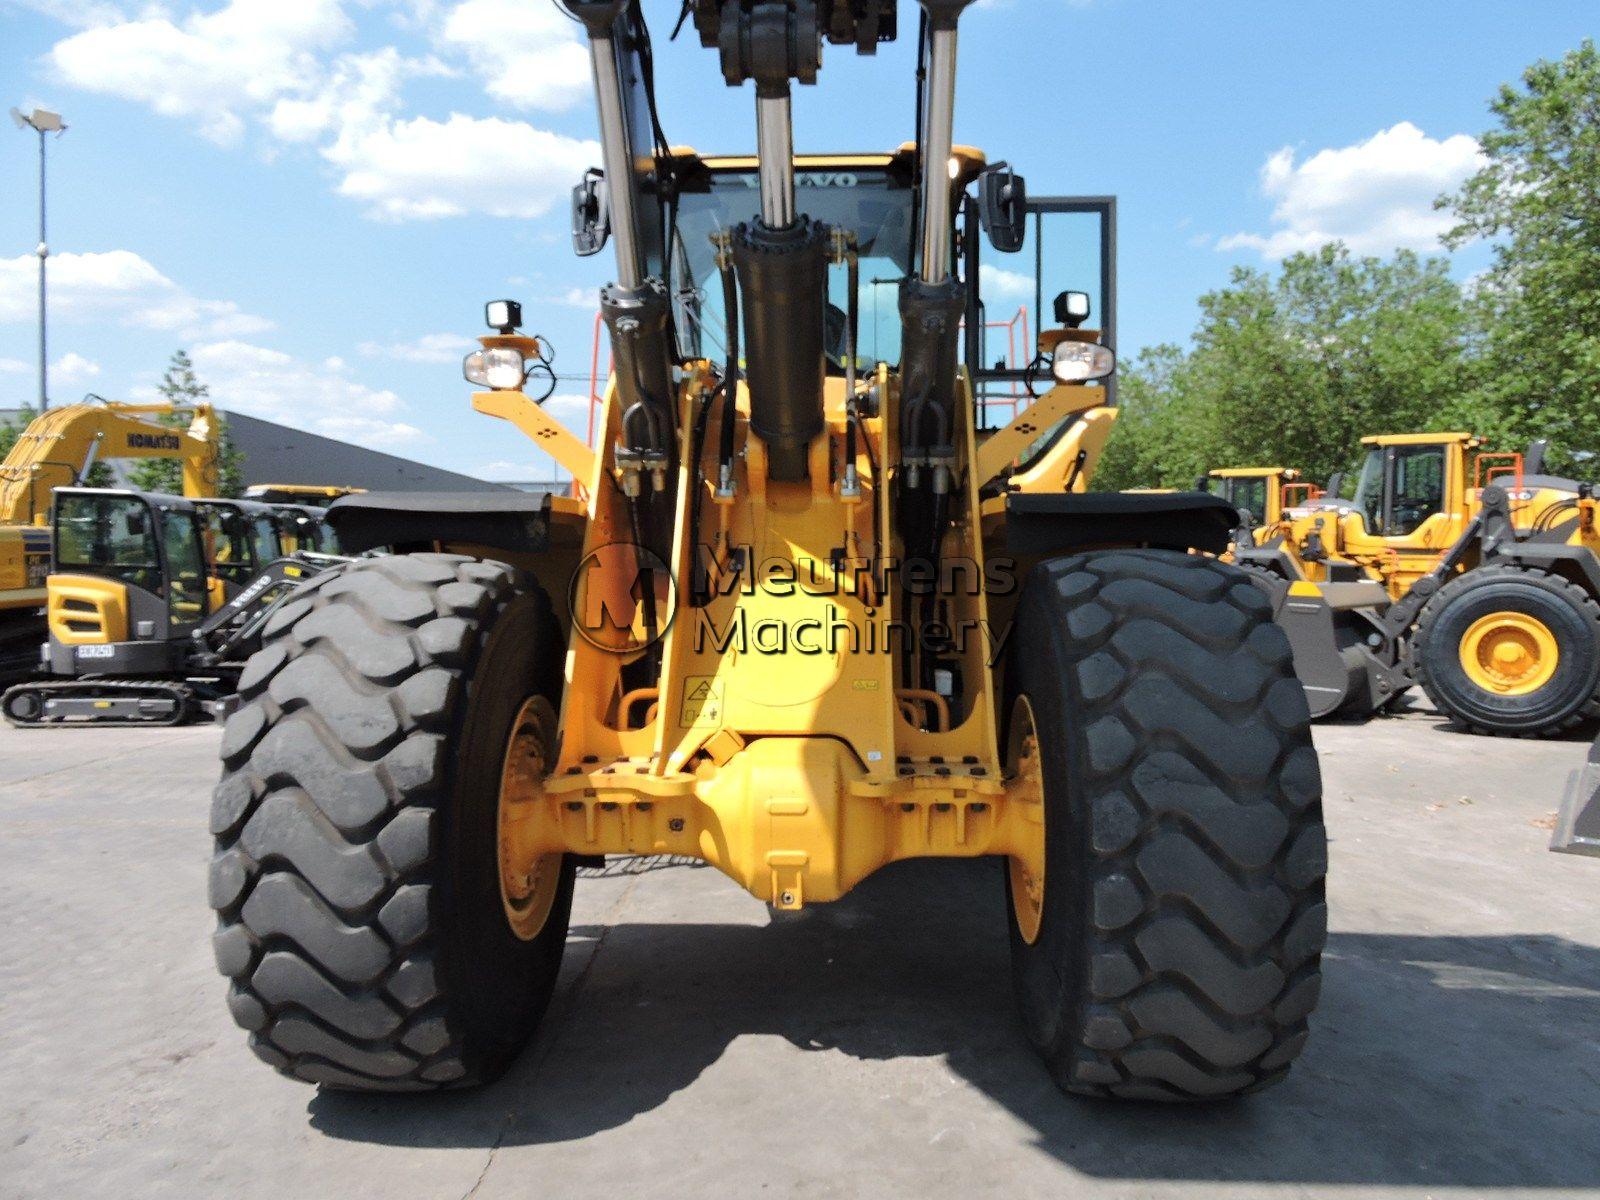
(315, 197)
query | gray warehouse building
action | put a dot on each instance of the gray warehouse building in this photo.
(273, 453)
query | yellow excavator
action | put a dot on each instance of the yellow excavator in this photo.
(1468, 572)
(58, 449)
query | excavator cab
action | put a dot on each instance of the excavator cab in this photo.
(302, 529)
(129, 582)
(242, 537)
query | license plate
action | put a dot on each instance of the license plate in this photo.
(96, 651)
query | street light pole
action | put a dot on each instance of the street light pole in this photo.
(42, 121)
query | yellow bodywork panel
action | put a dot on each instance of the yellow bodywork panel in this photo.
(782, 744)
(86, 610)
(1006, 446)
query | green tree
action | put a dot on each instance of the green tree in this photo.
(1293, 370)
(11, 429)
(182, 387)
(1537, 198)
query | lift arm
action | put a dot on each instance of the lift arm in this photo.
(60, 446)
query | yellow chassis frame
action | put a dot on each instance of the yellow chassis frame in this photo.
(801, 774)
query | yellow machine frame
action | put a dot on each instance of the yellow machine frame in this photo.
(797, 783)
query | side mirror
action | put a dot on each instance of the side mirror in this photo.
(1533, 459)
(591, 214)
(1003, 208)
(1072, 309)
(1203, 483)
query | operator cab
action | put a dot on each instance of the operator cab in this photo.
(129, 581)
(1405, 480)
(241, 538)
(303, 529)
(1250, 490)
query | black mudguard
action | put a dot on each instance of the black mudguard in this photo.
(516, 522)
(1052, 523)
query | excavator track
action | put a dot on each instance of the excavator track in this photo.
(100, 703)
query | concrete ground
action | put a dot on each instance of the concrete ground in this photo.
(866, 1049)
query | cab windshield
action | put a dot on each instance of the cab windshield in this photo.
(227, 546)
(869, 202)
(113, 536)
(1249, 495)
(1369, 491)
(264, 531)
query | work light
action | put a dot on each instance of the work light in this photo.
(501, 369)
(1082, 362)
(503, 315)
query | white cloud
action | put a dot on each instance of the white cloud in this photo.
(507, 472)
(122, 287)
(14, 366)
(1001, 283)
(73, 367)
(276, 63)
(360, 90)
(429, 348)
(324, 398)
(528, 54)
(212, 68)
(1375, 196)
(422, 168)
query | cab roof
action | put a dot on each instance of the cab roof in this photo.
(1253, 472)
(970, 162)
(1416, 439)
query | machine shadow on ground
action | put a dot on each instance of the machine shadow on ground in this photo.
(1435, 1061)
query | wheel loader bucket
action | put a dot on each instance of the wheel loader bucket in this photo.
(1331, 628)
(1578, 823)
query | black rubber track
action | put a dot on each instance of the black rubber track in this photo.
(1178, 956)
(354, 879)
(1570, 699)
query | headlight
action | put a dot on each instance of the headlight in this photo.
(501, 369)
(1082, 362)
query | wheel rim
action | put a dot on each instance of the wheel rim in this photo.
(1026, 863)
(1509, 653)
(528, 882)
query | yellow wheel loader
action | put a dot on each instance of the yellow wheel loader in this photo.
(1266, 497)
(802, 621)
(1470, 573)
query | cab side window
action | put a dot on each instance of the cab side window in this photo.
(180, 535)
(1251, 496)
(1418, 488)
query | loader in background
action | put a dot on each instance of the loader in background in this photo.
(803, 621)
(1470, 573)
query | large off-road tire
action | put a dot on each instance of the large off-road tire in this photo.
(1511, 650)
(356, 877)
(1176, 950)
